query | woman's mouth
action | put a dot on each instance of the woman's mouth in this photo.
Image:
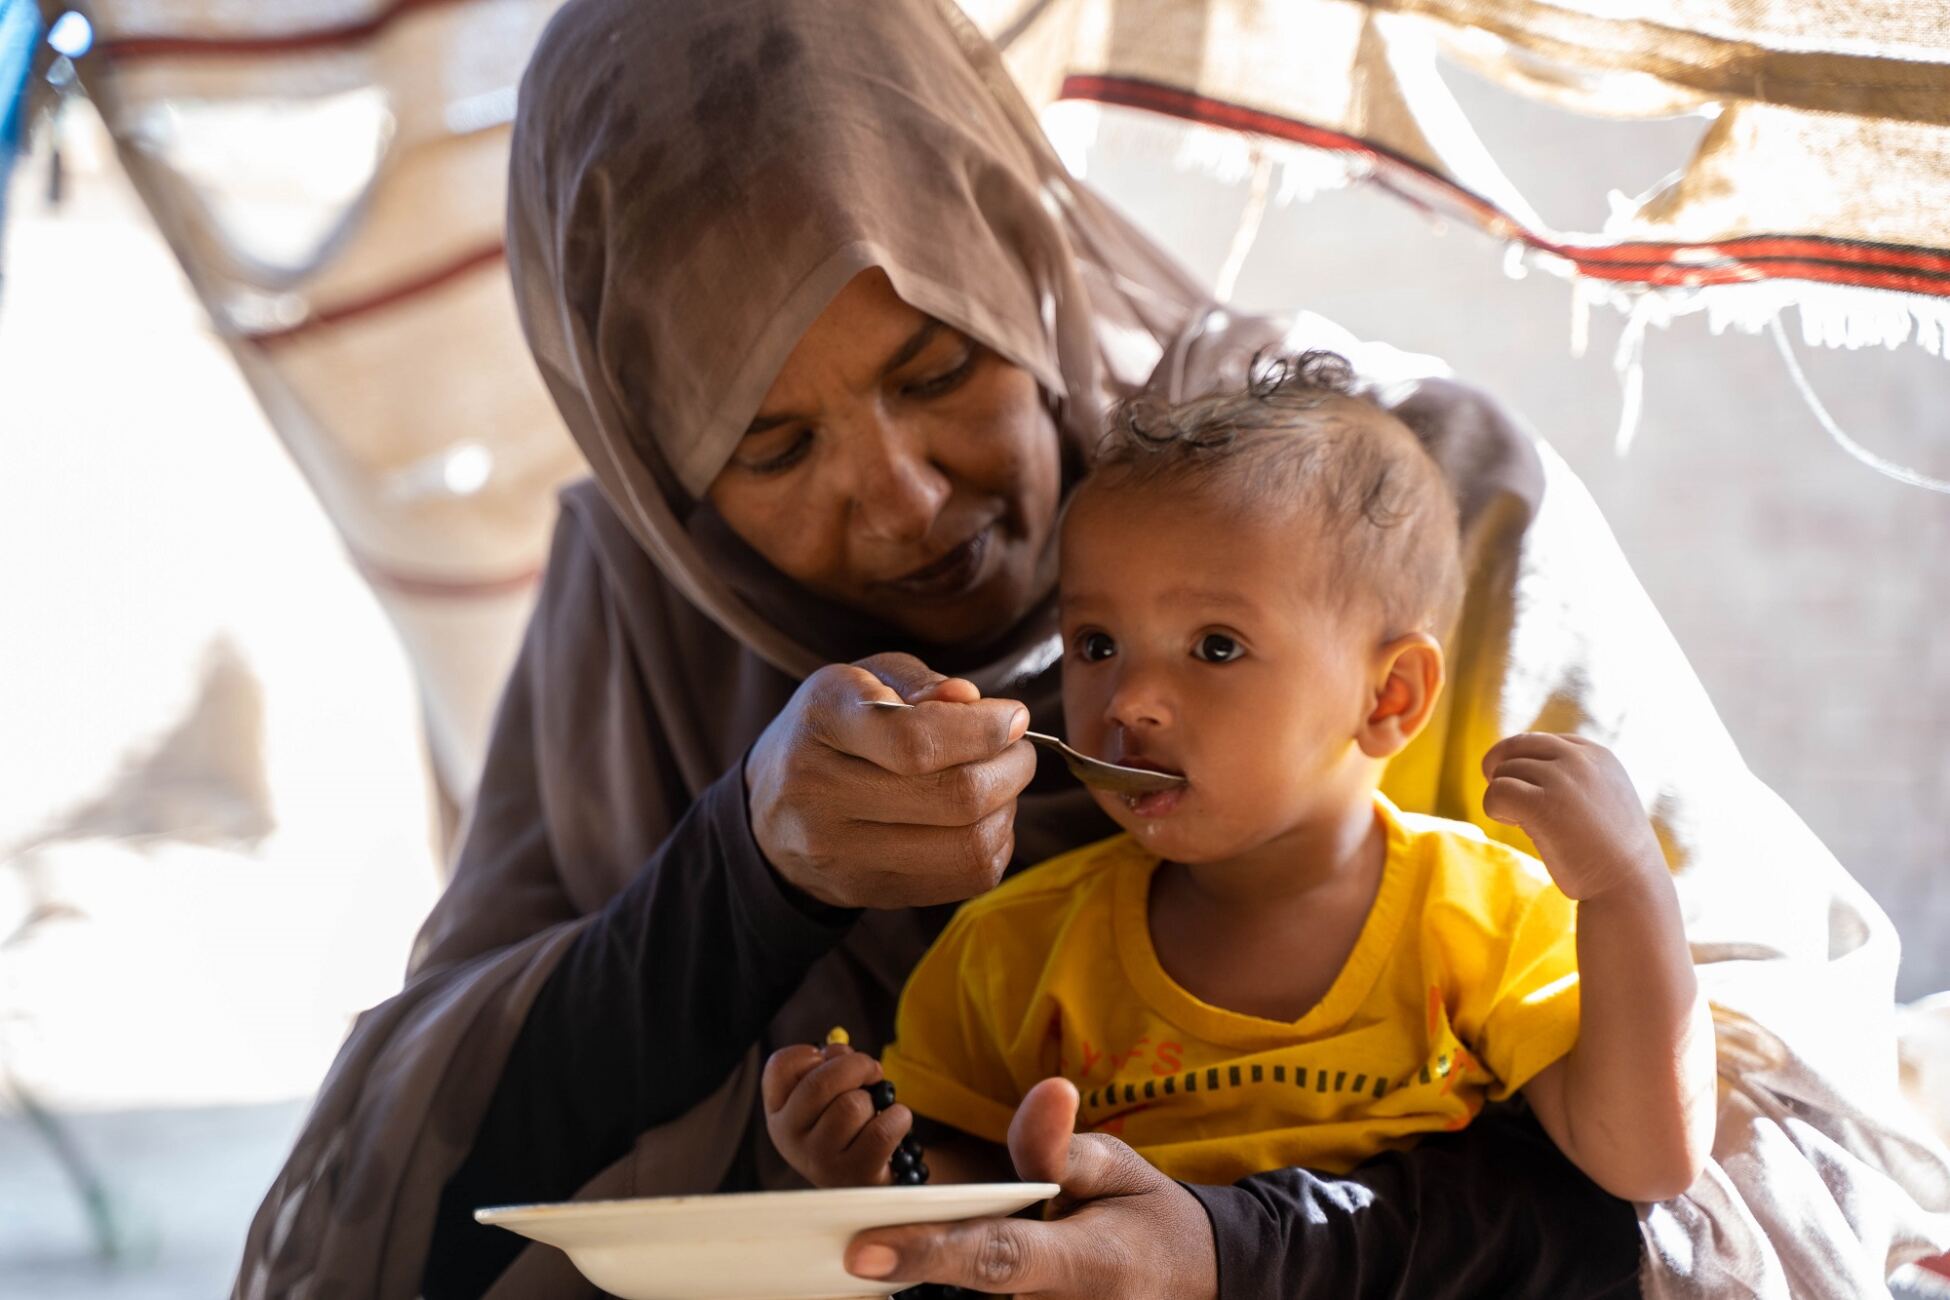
(955, 573)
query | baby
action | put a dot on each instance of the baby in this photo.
(1273, 965)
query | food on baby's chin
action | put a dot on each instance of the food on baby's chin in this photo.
(1156, 804)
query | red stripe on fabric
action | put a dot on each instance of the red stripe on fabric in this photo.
(1748, 258)
(388, 297)
(1175, 101)
(1782, 269)
(142, 47)
(1822, 247)
(428, 586)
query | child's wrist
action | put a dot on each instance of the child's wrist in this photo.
(1640, 887)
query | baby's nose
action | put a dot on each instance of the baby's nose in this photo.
(1139, 705)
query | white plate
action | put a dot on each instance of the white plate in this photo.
(746, 1245)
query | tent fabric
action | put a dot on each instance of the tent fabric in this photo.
(332, 178)
(1827, 163)
(331, 174)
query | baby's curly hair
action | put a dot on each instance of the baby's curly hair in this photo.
(1304, 437)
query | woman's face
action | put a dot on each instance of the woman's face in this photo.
(899, 468)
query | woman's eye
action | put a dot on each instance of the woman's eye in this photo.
(784, 460)
(936, 385)
(1092, 646)
(1217, 648)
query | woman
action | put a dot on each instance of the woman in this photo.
(832, 325)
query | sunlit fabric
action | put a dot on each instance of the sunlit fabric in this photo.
(1828, 163)
(331, 177)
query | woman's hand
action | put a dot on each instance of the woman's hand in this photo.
(822, 1119)
(1119, 1227)
(866, 807)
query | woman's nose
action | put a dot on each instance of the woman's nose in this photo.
(897, 490)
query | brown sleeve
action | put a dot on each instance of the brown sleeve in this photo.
(613, 1043)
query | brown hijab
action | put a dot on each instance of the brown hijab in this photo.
(690, 184)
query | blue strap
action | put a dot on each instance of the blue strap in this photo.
(20, 31)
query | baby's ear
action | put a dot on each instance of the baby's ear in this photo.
(1405, 682)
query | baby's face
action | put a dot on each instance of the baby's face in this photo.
(1193, 643)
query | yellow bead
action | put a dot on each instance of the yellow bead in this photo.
(837, 1034)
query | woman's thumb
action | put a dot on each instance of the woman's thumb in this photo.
(1039, 1135)
(1046, 1148)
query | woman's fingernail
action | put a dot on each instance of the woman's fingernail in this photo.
(873, 1261)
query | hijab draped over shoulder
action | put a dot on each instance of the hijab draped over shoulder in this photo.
(690, 184)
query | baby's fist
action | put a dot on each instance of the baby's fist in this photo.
(1573, 798)
(822, 1119)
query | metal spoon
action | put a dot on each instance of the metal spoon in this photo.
(1114, 777)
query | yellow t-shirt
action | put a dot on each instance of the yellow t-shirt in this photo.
(1462, 985)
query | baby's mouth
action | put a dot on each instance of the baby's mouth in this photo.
(1158, 803)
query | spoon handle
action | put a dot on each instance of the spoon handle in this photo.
(1091, 771)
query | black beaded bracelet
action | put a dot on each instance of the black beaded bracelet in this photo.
(910, 1170)
(909, 1160)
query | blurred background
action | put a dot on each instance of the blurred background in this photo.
(223, 790)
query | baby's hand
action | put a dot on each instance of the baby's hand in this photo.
(1574, 800)
(822, 1119)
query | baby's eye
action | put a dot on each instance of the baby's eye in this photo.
(1092, 646)
(1217, 648)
